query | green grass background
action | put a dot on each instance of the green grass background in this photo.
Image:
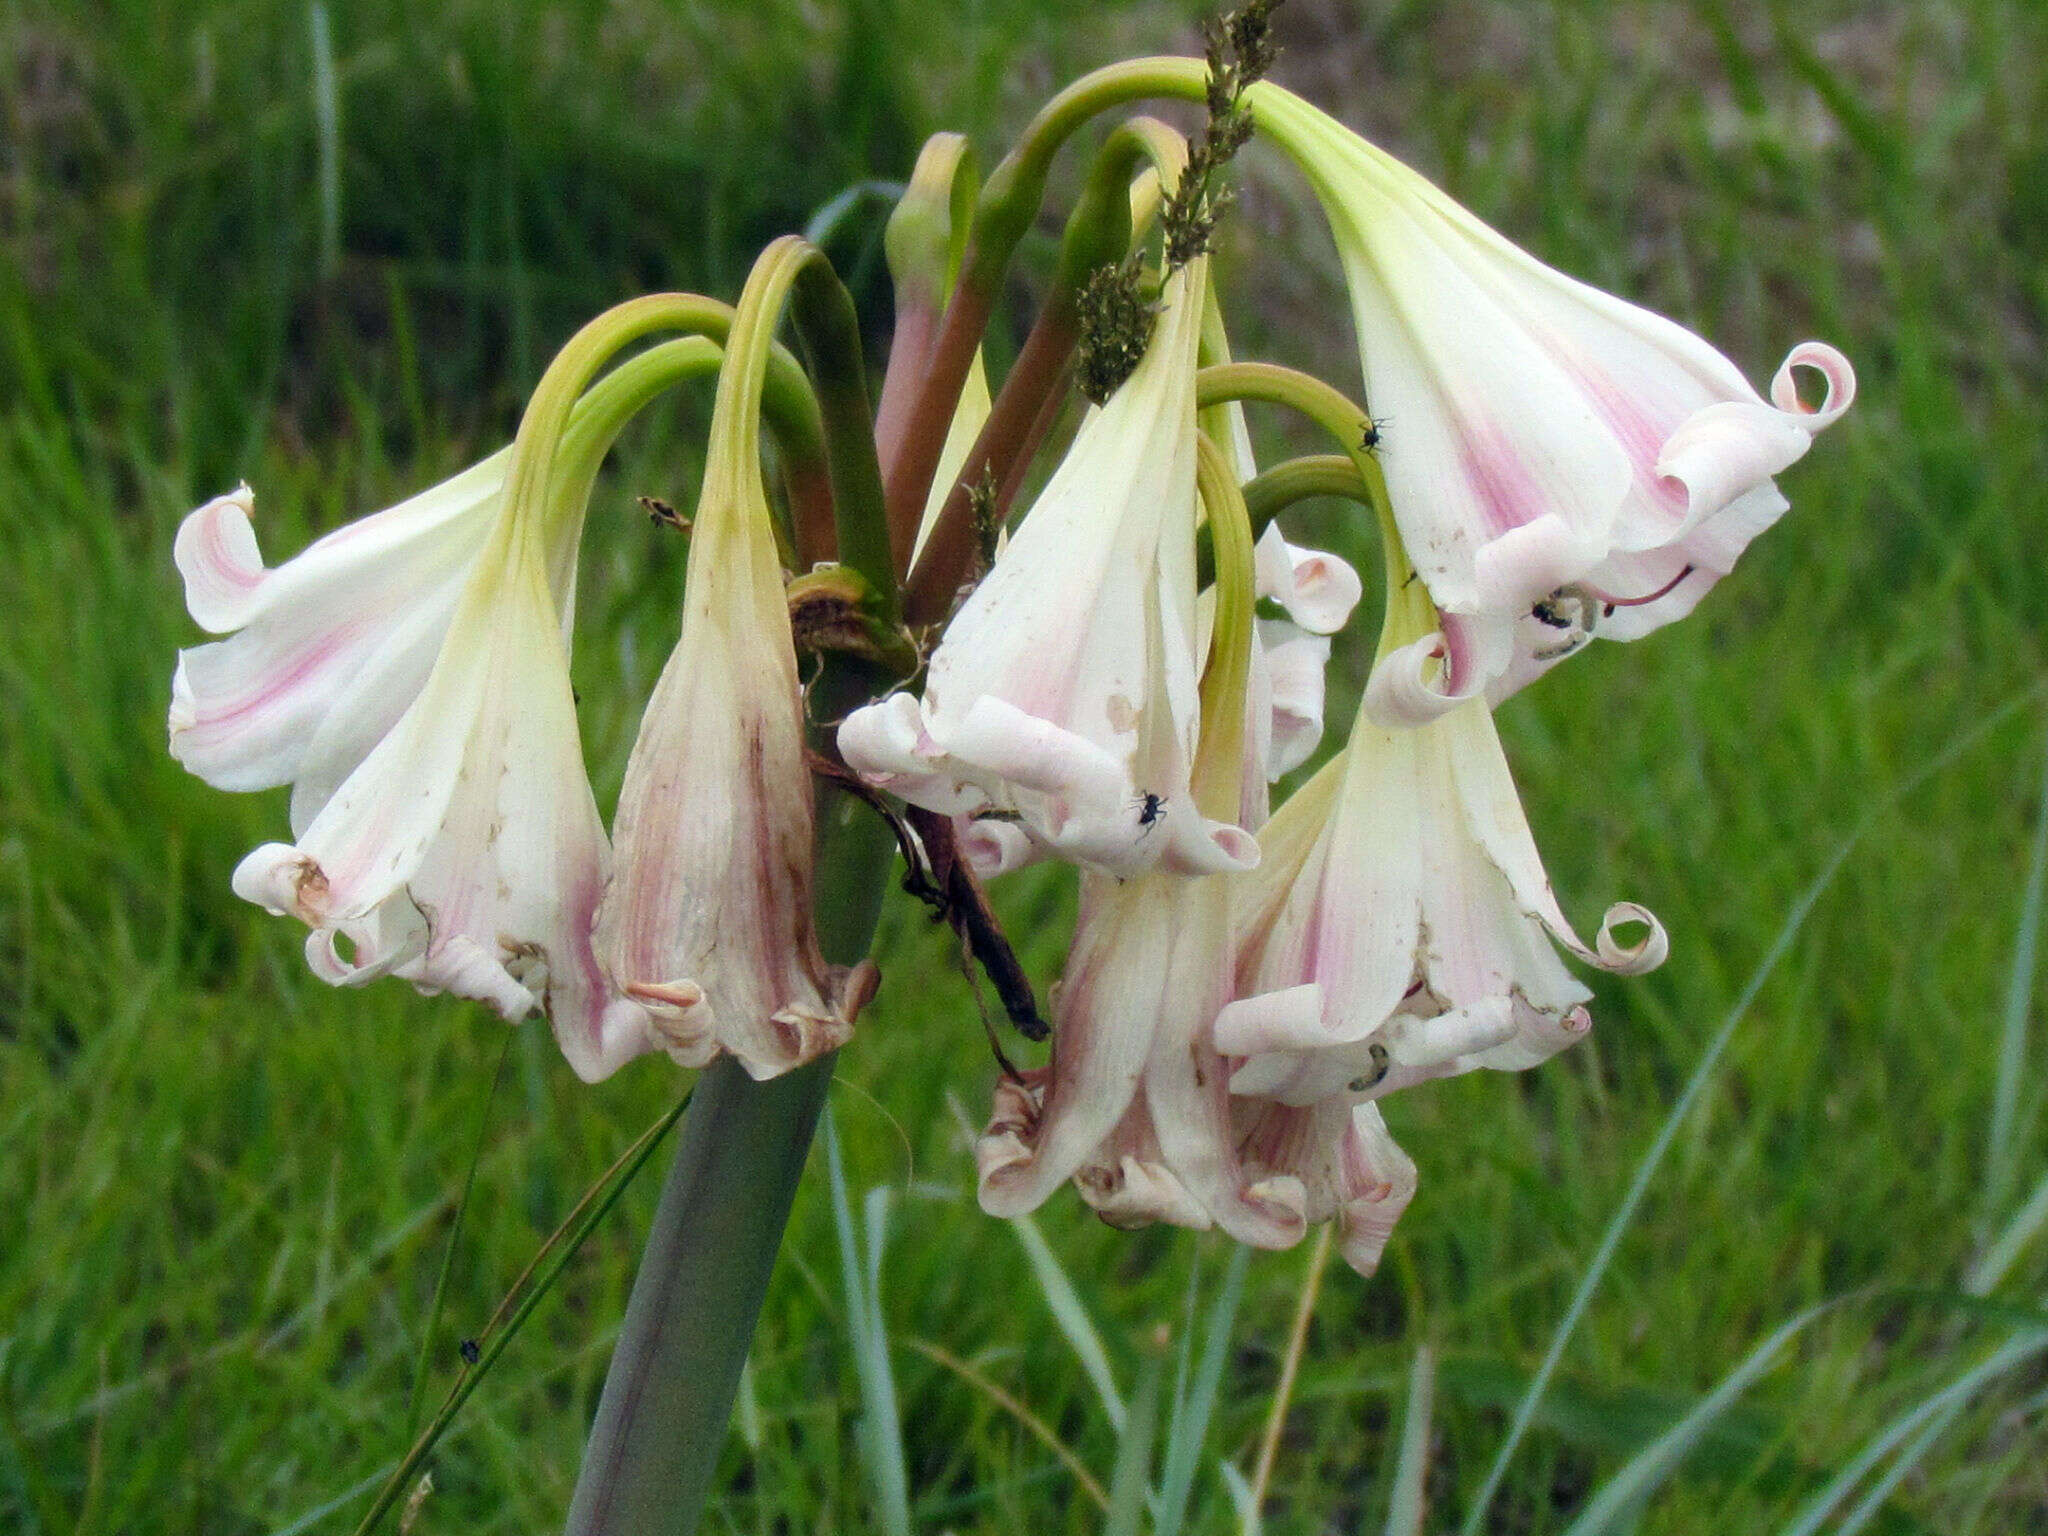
(225, 1190)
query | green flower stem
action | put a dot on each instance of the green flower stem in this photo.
(1316, 474)
(787, 403)
(668, 1396)
(926, 237)
(1277, 489)
(662, 1421)
(1098, 233)
(1219, 757)
(1347, 422)
(828, 330)
(795, 273)
(1409, 612)
(531, 473)
(1009, 203)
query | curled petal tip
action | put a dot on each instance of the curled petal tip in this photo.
(1281, 1202)
(1211, 848)
(1645, 954)
(800, 1036)
(1135, 1193)
(858, 989)
(993, 847)
(466, 968)
(677, 1019)
(216, 552)
(1004, 1161)
(1408, 688)
(280, 879)
(1833, 367)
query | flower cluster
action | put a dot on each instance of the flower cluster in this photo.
(408, 676)
(1122, 690)
(1241, 993)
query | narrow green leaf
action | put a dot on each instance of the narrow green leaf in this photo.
(1624, 1494)
(1937, 1406)
(1071, 1316)
(2002, 1149)
(1242, 1500)
(1795, 919)
(2010, 1244)
(1133, 1471)
(416, 1399)
(539, 1279)
(880, 1430)
(1189, 1427)
(1406, 1502)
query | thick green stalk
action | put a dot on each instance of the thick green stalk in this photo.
(668, 1396)
(662, 1421)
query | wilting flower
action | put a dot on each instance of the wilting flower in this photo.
(706, 928)
(1402, 927)
(1135, 1106)
(1559, 461)
(1062, 699)
(463, 851)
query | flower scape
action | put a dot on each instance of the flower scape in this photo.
(1118, 675)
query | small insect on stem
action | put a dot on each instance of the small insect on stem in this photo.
(471, 1351)
(1375, 429)
(662, 515)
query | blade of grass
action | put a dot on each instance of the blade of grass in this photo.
(1188, 1429)
(319, 1512)
(880, 1432)
(2001, 1151)
(1068, 1310)
(1127, 1483)
(1407, 1502)
(327, 120)
(506, 1322)
(1624, 1215)
(1937, 1405)
(416, 1399)
(1909, 1458)
(1072, 1317)
(1241, 1500)
(1290, 1364)
(1624, 1493)
(2020, 1231)
(1031, 1422)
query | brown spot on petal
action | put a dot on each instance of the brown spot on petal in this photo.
(1123, 715)
(309, 890)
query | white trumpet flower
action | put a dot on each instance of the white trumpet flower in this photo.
(706, 930)
(1560, 462)
(464, 851)
(1062, 699)
(1402, 927)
